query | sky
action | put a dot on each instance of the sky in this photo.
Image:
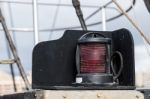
(22, 17)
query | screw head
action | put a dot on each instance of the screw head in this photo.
(99, 95)
(64, 96)
(137, 96)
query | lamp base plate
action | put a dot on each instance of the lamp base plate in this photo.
(95, 79)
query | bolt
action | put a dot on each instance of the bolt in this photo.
(64, 96)
(137, 96)
(35, 95)
(99, 95)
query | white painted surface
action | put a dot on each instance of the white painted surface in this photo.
(94, 94)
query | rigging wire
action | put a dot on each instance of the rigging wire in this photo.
(146, 46)
(132, 22)
(147, 4)
(95, 23)
(76, 27)
(14, 52)
(77, 6)
(9, 53)
(87, 18)
(99, 9)
(145, 43)
(55, 19)
(44, 3)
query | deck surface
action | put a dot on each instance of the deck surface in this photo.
(94, 94)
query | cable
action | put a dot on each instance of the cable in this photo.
(79, 13)
(99, 9)
(14, 52)
(29, 2)
(147, 4)
(55, 19)
(133, 22)
(9, 53)
(116, 75)
(146, 46)
(145, 43)
(95, 23)
(90, 24)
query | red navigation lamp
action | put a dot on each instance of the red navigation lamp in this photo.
(93, 59)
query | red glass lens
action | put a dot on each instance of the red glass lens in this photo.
(92, 58)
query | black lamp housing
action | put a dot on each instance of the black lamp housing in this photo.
(95, 46)
(54, 65)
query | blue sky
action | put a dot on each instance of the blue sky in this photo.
(22, 18)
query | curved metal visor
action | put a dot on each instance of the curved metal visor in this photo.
(95, 40)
